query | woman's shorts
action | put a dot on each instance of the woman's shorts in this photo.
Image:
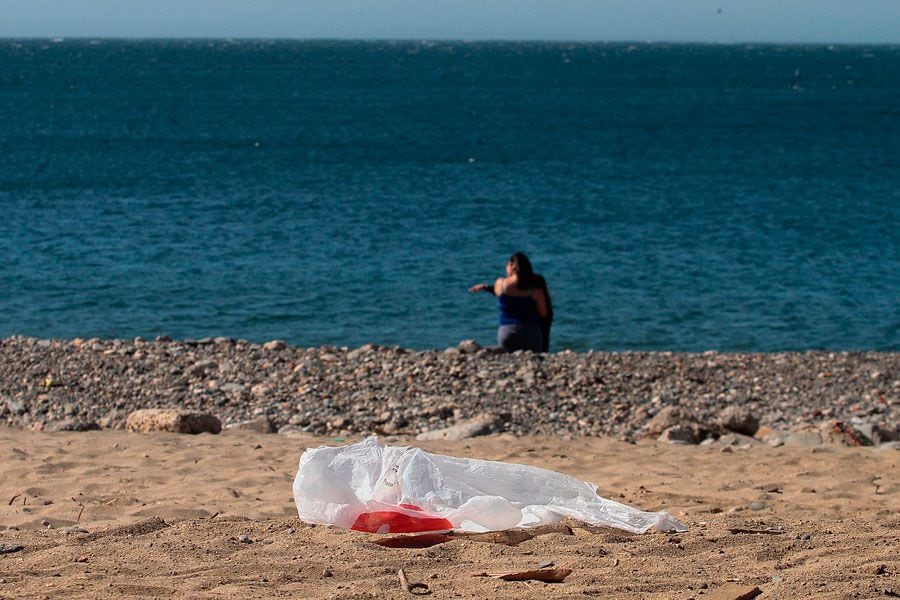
(520, 337)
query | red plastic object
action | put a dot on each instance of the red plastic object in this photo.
(387, 521)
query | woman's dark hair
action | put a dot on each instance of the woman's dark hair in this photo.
(527, 280)
(542, 284)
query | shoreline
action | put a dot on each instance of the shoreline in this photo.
(70, 384)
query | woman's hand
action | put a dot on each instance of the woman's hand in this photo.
(479, 287)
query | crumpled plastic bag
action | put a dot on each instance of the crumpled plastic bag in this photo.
(401, 489)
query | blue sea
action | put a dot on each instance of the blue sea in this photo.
(676, 197)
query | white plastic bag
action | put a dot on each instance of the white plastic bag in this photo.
(400, 489)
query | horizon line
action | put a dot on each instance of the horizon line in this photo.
(424, 40)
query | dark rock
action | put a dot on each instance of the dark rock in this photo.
(74, 425)
(838, 432)
(679, 434)
(261, 424)
(882, 433)
(738, 419)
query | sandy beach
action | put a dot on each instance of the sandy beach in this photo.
(230, 236)
(113, 514)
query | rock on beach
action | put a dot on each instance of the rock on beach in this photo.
(171, 420)
(470, 428)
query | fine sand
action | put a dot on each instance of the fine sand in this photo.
(827, 521)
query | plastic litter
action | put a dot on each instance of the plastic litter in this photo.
(371, 487)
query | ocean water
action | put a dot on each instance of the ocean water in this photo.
(676, 197)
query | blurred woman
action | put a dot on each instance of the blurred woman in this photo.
(525, 309)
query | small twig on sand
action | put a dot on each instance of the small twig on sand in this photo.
(13, 499)
(78, 520)
(545, 575)
(767, 531)
(413, 588)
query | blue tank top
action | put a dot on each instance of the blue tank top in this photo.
(518, 310)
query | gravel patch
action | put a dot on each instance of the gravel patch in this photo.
(72, 384)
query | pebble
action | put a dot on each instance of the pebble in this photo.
(757, 505)
(340, 391)
(244, 538)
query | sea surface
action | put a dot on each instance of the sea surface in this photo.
(676, 197)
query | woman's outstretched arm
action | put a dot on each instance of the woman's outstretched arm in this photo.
(481, 287)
